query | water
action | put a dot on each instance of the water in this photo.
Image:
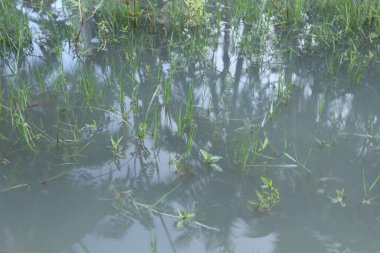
(76, 195)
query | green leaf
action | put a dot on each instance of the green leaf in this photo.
(267, 182)
(214, 158)
(190, 216)
(216, 167)
(179, 224)
(374, 183)
(265, 144)
(209, 158)
(259, 195)
(205, 154)
(143, 126)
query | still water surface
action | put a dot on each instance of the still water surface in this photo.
(322, 137)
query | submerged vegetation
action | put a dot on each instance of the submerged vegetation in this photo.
(200, 112)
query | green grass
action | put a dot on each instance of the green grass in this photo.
(343, 27)
(14, 30)
(149, 73)
(368, 191)
(190, 137)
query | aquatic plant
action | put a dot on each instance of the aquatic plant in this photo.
(267, 198)
(367, 200)
(242, 152)
(15, 33)
(190, 137)
(211, 160)
(184, 218)
(142, 131)
(116, 146)
(208, 157)
(339, 198)
(196, 13)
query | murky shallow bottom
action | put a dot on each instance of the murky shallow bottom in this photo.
(317, 144)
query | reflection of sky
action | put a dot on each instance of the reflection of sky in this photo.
(330, 245)
(247, 244)
(338, 111)
(138, 239)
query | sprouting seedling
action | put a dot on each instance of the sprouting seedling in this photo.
(143, 125)
(184, 218)
(366, 200)
(264, 144)
(339, 199)
(211, 159)
(116, 146)
(142, 130)
(92, 127)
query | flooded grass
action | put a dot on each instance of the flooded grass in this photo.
(217, 117)
(14, 29)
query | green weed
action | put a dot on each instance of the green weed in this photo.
(211, 160)
(367, 200)
(339, 198)
(320, 106)
(184, 218)
(190, 137)
(14, 30)
(116, 146)
(242, 152)
(142, 131)
(267, 198)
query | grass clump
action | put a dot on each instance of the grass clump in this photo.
(350, 15)
(14, 30)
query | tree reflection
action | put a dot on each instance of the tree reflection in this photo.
(105, 196)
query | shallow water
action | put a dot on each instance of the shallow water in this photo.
(75, 195)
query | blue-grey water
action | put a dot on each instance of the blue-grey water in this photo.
(312, 131)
